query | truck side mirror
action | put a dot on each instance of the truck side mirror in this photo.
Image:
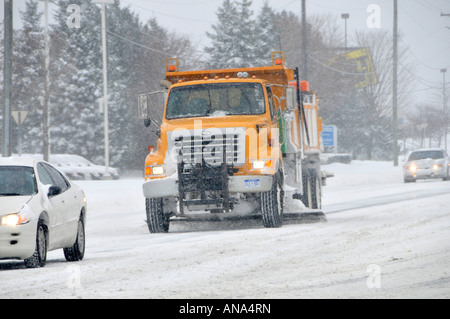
(143, 107)
(291, 101)
(151, 102)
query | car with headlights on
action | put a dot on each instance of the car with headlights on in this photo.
(40, 211)
(426, 164)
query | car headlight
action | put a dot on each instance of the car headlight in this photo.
(157, 170)
(412, 167)
(13, 220)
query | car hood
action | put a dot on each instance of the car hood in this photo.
(12, 204)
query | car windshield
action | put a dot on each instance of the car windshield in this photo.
(426, 154)
(17, 181)
(217, 99)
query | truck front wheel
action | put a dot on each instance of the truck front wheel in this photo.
(272, 205)
(157, 221)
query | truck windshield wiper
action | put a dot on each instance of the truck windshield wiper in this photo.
(11, 194)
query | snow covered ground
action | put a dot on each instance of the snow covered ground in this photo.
(382, 239)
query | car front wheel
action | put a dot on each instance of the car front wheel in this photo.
(39, 257)
(76, 252)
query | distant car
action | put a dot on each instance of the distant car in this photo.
(40, 211)
(77, 167)
(426, 164)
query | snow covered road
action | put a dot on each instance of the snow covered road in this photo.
(383, 239)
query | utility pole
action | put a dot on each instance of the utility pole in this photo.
(46, 124)
(103, 4)
(394, 88)
(445, 108)
(304, 42)
(7, 78)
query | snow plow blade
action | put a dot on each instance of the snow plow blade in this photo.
(304, 217)
(222, 221)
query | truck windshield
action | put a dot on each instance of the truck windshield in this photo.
(217, 99)
(17, 181)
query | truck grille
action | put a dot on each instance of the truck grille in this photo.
(211, 146)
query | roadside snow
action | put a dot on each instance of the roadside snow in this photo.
(395, 250)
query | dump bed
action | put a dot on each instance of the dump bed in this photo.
(277, 74)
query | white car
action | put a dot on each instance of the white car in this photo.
(426, 164)
(40, 211)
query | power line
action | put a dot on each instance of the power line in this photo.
(167, 15)
(137, 44)
(340, 71)
(418, 78)
(134, 42)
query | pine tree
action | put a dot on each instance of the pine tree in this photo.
(267, 38)
(29, 77)
(246, 38)
(77, 125)
(240, 41)
(2, 50)
(224, 39)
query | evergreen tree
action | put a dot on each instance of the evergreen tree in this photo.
(29, 77)
(224, 39)
(2, 50)
(238, 39)
(267, 39)
(246, 49)
(77, 125)
(136, 59)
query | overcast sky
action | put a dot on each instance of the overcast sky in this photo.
(425, 31)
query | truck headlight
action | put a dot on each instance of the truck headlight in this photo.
(157, 170)
(13, 220)
(260, 164)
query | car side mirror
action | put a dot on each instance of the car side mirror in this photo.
(54, 190)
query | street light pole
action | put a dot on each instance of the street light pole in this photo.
(445, 108)
(7, 78)
(345, 16)
(394, 87)
(46, 124)
(304, 42)
(103, 4)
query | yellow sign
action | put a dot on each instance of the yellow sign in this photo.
(359, 63)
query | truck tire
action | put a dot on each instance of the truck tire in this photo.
(157, 221)
(272, 205)
(312, 189)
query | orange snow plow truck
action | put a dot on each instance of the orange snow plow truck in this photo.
(232, 142)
